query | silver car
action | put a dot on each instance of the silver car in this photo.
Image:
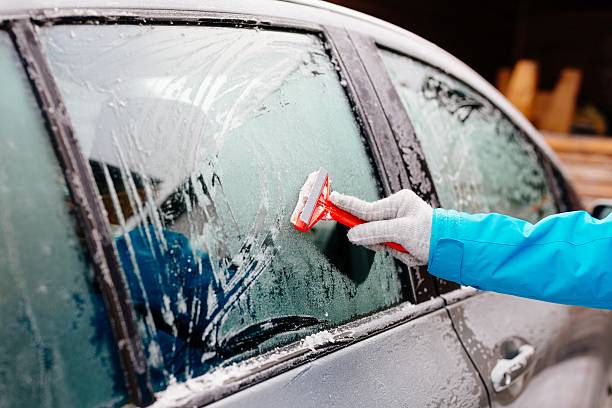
(152, 153)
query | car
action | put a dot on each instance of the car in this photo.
(152, 155)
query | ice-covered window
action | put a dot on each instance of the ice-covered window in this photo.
(56, 346)
(199, 139)
(478, 159)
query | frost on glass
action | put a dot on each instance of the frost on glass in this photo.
(56, 347)
(478, 159)
(199, 139)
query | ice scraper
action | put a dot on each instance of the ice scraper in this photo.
(318, 207)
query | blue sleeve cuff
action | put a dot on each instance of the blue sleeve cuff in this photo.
(445, 250)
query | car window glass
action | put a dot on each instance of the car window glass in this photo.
(199, 139)
(56, 347)
(478, 159)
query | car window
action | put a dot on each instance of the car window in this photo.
(199, 139)
(479, 160)
(56, 347)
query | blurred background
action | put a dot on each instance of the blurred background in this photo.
(552, 60)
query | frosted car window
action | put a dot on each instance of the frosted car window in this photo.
(478, 159)
(56, 347)
(199, 139)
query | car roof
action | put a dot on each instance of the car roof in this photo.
(309, 11)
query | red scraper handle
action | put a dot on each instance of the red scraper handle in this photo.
(349, 220)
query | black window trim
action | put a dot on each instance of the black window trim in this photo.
(404, 135)
(362, 96)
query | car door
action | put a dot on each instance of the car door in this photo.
(198, 139)
(529, 353)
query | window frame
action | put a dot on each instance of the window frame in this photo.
(564, 194)
(368, 114)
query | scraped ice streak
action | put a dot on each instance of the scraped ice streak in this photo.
(199, 139)
(149, 325)
(479, 160)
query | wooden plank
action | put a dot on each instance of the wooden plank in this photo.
(559, 114)
(598, 191)
(541, 103)
(523, 86)
(588, 163)
(581, 144)
(503, 79)
(584, 158)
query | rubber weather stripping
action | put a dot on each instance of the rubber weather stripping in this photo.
(96, 230)
(171, 17)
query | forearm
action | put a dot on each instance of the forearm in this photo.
(565, 258)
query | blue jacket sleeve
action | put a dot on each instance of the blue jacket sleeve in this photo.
(565, 258)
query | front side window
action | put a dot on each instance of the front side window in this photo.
(479, 160)
(56, 347)
(199, 139)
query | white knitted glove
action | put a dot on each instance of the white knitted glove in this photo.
(402, 217)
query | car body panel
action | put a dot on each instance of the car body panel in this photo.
(571, 348)
(393, 368)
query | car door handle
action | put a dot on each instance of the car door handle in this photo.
(507, 371)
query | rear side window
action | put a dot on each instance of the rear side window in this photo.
(479, 160)
(56, 347)
(199, 139)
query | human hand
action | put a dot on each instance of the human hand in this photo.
(402, 217)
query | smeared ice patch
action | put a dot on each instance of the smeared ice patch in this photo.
(318, 339)
(155, 357)
(167, 311)
(182, 305)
